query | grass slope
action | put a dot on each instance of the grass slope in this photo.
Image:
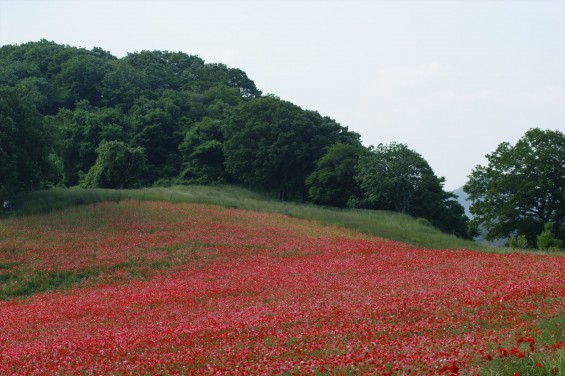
(383, 224)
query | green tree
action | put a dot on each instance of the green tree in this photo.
(117, 166)
(14, 66)
(81, 78)
(123, 85)
(203, 153)
(450, 218)
(333, 181)
(158, 127)
(71, 73)
(522, 187)
(394, 177)
(220, 101)
(81, 131)
(391, 176)
(164, 69)
(24, 142)
(232, 77)
(518, 241)
(547, 240)
(273, 144)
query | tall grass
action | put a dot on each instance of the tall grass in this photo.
(383, 224)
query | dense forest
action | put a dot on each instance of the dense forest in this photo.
(76, 117)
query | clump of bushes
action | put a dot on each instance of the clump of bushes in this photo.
(546, 240)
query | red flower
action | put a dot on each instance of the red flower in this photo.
(257, 293)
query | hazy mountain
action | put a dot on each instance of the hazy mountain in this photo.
(463, 199)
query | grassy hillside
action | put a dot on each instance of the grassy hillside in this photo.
(388, 225)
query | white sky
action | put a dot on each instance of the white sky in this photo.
(451, 79)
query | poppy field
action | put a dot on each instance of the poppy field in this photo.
(164, 288)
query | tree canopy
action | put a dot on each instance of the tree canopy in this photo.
(117, 166)
(273, 144)
(149, 100)
(333, 180)
(522, 188)
(391, 176)
(394, 177)
(24, 142)
(203, 153)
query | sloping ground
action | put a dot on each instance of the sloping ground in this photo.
(196, 289)
(389, 225)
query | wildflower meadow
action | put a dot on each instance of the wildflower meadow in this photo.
(164, 288)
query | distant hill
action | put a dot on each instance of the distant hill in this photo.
(463, 199)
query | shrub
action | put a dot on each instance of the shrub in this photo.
(546, 240)
(519, 241)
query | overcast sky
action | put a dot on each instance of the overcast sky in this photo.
(451, 79)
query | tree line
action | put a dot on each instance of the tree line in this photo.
(76, 117)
